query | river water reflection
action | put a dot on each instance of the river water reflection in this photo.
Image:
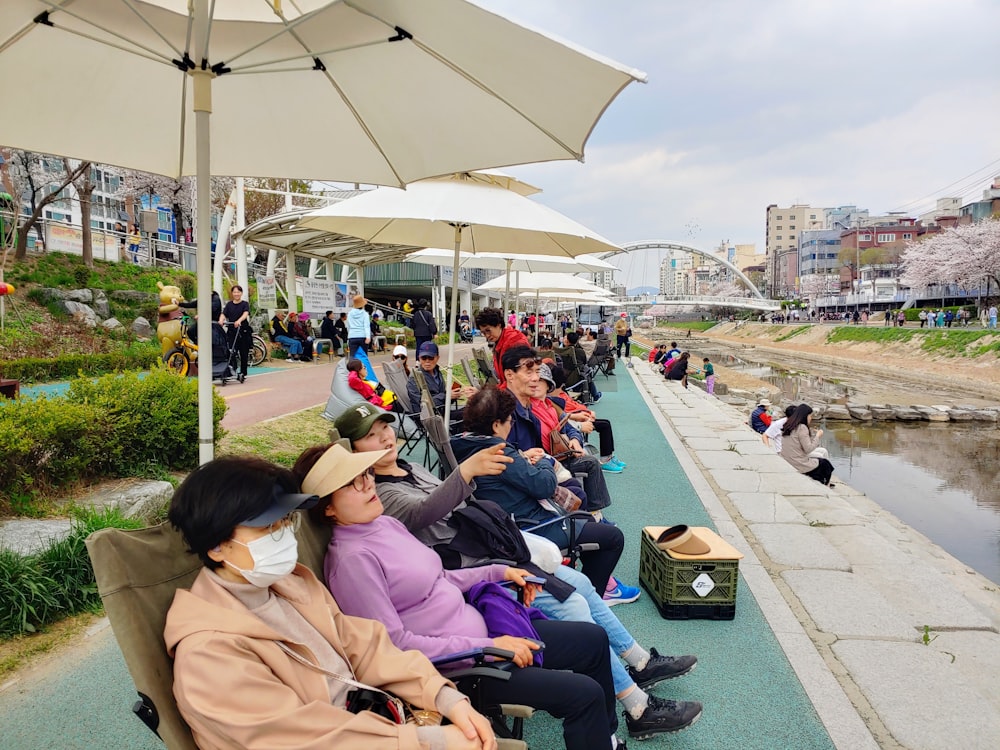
(943, 479)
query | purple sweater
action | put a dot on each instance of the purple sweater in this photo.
(380, 571)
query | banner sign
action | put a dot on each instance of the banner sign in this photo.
(267, 292)
(318, 295)
(64, 238)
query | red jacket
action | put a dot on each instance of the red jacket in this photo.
(509, 338)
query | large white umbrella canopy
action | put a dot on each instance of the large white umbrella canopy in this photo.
(547, 285)
(373, 91)
(517, 263)
(472, 212)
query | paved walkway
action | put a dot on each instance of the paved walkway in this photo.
(846, 588)
(825, 651)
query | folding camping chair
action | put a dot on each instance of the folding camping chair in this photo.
(137, 573)
(485, 362)
(603, 358)
(410, 430)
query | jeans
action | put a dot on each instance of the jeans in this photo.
(586, 605)
(294, 345)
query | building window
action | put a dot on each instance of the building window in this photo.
(812, 216)
(864, 238)
(779, 237)
(791, 226)
(907, 235)
(778, 218)
(886, 238)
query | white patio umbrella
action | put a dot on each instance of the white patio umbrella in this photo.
(511, 264)
(373, 91)
(472, 211)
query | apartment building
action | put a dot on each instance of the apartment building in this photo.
(783, 228)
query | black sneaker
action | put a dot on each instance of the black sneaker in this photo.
(661, 717)
(660, 668)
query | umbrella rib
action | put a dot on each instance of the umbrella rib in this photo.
(151, 27)
(286, 28)
(307, 56)
(476, 82)
(152, 55)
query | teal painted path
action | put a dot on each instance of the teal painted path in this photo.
(752, 698)
(59, 388)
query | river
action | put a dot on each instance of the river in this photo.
(943, 479)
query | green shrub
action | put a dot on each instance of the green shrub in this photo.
(188, 286)
(138, 356)
(59, 581)
(116, 426)
(81, 275)
(27, 596)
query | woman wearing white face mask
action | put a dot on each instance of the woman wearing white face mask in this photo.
(263, 657)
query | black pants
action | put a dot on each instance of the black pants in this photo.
(821, 473)
(623, 342)
(584, 698)
(598, 496)
(353, 345)
(606, 435)
(240, 340)
(599, 564)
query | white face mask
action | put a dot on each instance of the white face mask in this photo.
(272, 560)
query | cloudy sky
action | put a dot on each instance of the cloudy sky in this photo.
(884, 104)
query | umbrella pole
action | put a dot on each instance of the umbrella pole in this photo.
(506, 291)
(537, 326)
(452, 318)
(202, 82)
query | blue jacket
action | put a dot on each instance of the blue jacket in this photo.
(359, 324)
(526, 430)
(519, 487)
(758, 424)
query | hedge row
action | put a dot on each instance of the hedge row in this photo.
(39, 589)
(115, 426)
(38, 369)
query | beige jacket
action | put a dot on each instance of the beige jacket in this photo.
(795, 449)
(237, 689)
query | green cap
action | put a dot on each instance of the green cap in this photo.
(357, 421)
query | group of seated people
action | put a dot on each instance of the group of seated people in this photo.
(292, 331)
(265, 656)
(793, 438)
(672, 362)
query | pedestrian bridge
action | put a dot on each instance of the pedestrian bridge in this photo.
(704, 300)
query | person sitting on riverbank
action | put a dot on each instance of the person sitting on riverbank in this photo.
(772, 435)
(760, 420)
(799, 441)
(679, 369)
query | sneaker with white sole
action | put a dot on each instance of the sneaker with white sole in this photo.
(660, 668)
(621, 594)
(662, 716)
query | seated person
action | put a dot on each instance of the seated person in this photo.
(679, 369)
(253, 637)
(376, 393)
(428, 357)
(299, 331)
(535, 418)
(280, 334)
(376, 569)
(798, 443)
(401, 356)
(328, 330)
(583, 418)
(424, 503)
(573, 341)
(658, 355)
(760, 420)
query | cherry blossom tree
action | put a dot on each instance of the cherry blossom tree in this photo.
(815, 285)
(965, 255)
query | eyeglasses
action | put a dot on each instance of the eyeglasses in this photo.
(530, 365)
(277, 529)
(399, 356)
(361, 480)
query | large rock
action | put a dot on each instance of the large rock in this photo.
(129, 295)
(961, 415)
(881, 412)
(101, 306)
(142, 328)
(28, 536)
(80, 312)
(48, 294)
(111, 324)
(906, 414)
(819, 410)
(860, 411)
(837, 411)
(80, 295)
(139, 498)
(933, 414)
(984, 415)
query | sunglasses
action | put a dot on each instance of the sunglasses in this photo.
(399, 356)
(529, 365)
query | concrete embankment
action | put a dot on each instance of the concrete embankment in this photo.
(895, 641)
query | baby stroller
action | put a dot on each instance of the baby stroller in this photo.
(223, 368)
(464, 333)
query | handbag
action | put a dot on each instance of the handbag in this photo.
(559, 447)
(367, 698)
(566, 499)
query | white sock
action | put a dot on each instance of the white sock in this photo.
(635, 702)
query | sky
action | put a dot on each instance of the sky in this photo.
(883, 104)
